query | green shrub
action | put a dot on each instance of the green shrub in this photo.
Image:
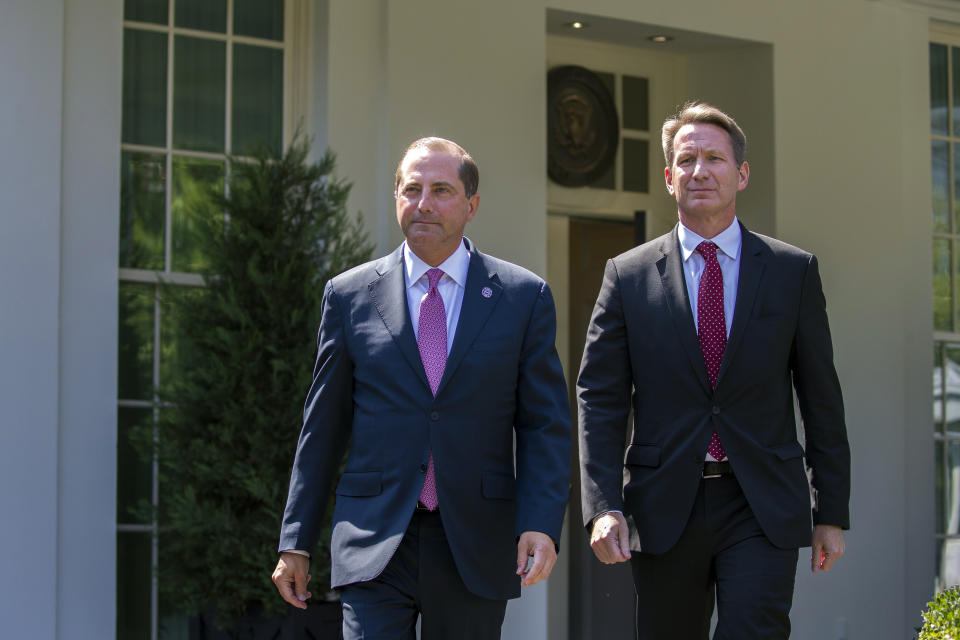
(941, 620)
(236, 376)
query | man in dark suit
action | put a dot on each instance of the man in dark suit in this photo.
(437, 365)
(705, 333)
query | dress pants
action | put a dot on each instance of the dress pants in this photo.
(420, 581)
(722, 553)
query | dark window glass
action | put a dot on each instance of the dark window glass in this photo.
(635, 103)
(144, 87)
(942, 287)
(199, 94)
(142, 198)
(134, 475)
(135, 366)
(206, 15)
(636, 165)
(258, 18)
(157, 11)
(938, 88)
(134, 575)
(257, 117)
(196, 183)
(940, 172)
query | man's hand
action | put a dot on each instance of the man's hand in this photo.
(291, 578)
(610, 538)
(828, 546)
(541, 551)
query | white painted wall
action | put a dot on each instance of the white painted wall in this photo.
(89, 232)
(31, 47)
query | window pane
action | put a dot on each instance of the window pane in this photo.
(157, 11)
(134, 475)
(955, 53)
(937, 388)
(952, 516)
(951, 367)
(635, 104)
(636, 168)
(171, 331)
(940, 164)
(199, 94)
(207, 15)
(257, 98)
(942, 286)
(144, 87)
(135, 366)
(134, 576)
(258, 18)
(939, 483)
(938, 88)
(196, 183)
(142, 182)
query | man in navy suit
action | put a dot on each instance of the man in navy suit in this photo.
(436, 365)
(706, 333)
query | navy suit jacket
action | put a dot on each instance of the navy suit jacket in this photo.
(499, 426)
(642, 353)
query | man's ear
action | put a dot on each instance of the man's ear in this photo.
(669, 179)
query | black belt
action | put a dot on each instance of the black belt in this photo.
(421, 508)
(716, 470)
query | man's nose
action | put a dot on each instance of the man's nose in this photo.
(426, 202)
(699, 168)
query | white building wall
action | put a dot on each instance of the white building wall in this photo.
(31, 48)
(89, 237)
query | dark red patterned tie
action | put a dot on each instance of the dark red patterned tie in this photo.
(432, 340)
(711, 325)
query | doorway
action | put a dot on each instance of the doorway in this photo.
(601, 596)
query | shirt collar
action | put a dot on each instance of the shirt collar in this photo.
(728, 241)
(455, 266)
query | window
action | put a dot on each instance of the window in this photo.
(945, 165)
(201, 79)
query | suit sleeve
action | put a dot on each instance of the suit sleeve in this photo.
(542, 426)
(603, 401)
(821, 405)
(327, 420)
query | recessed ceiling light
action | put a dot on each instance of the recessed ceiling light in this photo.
(576, 24)
(660, 38)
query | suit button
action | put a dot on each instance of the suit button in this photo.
(434, 416)
(716, 409)
(423, 468)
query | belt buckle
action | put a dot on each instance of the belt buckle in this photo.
(712, 475)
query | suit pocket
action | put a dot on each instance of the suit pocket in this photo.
(360, 483)
(498, 486)
(642, 455)
(787, 450)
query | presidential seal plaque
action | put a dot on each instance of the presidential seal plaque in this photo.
(582, 127)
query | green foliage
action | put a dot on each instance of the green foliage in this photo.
(239, 364)
(941, 620)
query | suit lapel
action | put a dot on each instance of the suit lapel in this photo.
(675, 293)
(474, 312)
(388, 294)
(752, 266)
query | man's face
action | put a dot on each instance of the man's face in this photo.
(432, 206)
(704, 176)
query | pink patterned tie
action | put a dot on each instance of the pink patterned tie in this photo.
(711, 325)
(432, 340)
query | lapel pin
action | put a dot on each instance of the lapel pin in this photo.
(486, 292)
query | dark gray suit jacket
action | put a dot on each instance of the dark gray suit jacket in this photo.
(502, 381)
(642, 352)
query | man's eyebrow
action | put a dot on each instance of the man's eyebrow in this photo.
(442, 183)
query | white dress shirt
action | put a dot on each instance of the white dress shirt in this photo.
(728, 244)
(450, 287)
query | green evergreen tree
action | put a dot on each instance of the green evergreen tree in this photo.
(237, 374)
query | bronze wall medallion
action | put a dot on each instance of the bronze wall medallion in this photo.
(582, 126)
